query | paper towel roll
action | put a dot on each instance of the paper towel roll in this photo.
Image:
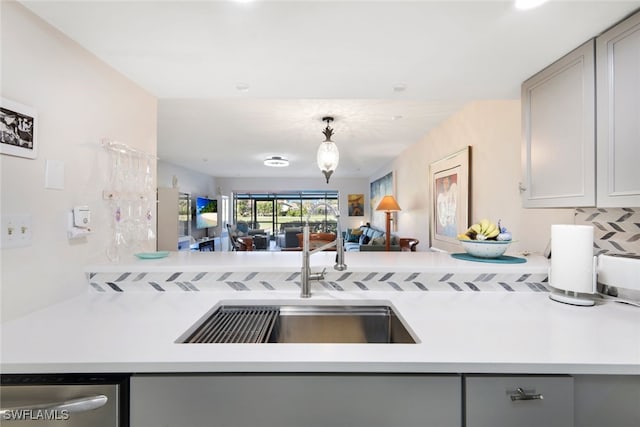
(572, 260)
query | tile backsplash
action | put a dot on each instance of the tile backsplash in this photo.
(617, 230)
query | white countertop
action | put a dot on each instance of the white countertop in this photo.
(459, 332)
(291, 261)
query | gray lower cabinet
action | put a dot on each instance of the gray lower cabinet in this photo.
(519, 401)
(296, 400)
(607, 400)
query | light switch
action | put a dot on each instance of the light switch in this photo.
(16, 231)
(54, 175)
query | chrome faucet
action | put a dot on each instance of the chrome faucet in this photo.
(306, 275)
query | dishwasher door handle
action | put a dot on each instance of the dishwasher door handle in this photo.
(75, 405)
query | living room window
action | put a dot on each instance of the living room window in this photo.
(275, 211)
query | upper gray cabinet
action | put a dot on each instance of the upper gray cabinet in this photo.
(618, 112)
(558, 125)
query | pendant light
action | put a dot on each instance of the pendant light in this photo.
(328, 155)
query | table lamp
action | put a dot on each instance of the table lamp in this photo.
(388, 204)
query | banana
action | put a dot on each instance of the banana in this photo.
(484, 224)
(483, 230)
(492, 231)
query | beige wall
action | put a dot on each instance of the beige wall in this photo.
(492, 129)
(79, 101)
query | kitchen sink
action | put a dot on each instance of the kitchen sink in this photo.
(297, 323)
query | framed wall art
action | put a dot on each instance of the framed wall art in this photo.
(449, 204)
(380, 188)
(18, 125)
(356, 204)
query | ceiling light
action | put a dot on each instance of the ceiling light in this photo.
(400, 87)
(276, 162)
(528, 4)
(242, 87)
(328, 155)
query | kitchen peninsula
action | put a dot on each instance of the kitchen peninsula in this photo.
(468, 319)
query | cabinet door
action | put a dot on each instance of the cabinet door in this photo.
(489, 402)
(618, 59)
(296, 400)
(558, 133)
(167, 219)
(607, 400)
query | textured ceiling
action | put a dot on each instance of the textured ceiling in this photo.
(303, 60)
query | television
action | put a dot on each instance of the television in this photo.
(206, 212)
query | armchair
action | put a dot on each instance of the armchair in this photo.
(239, 243)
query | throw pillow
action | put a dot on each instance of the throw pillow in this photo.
(243, 227)
(353, 235)
(364, 239)
(395, 240)
(378, 241)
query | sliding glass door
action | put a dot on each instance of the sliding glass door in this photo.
(276, 211)
(263, 217)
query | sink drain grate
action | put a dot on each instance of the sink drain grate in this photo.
(238, 324)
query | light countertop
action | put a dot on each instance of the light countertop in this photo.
(459, 332)
(291, 261)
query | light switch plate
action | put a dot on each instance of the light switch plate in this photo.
(54, 175)
(16, 231)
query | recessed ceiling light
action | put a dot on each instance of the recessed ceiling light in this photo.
(396, 117)
(399, 87)
(528, 4)
(242, 87)
(276, 162)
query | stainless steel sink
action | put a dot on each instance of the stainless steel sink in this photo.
(293, 323)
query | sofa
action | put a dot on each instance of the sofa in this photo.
(288, 237)
(367, 238)
(315, 241)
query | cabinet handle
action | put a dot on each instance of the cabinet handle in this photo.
(521, 187)
(521, 394)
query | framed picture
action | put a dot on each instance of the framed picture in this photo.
(356, 204)
(449, 210)
(18, 125)
(380, 188)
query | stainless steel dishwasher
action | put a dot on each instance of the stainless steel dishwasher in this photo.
(66, 400)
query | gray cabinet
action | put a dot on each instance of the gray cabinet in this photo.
(295, 400)
(519, 401)
(618, 69)
(558, 133)
(607, 400)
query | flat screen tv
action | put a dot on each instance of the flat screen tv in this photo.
(206, 212)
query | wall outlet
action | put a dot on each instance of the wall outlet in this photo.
(15, 231)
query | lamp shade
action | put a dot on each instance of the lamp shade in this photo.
(389, 204)
(328, 157)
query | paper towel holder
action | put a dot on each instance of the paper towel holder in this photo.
(576, 298)
(573, 268)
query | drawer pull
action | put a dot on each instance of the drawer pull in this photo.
(521, 394)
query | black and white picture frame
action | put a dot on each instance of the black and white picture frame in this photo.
(18, 129)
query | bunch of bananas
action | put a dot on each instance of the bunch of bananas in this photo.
(485, 230)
